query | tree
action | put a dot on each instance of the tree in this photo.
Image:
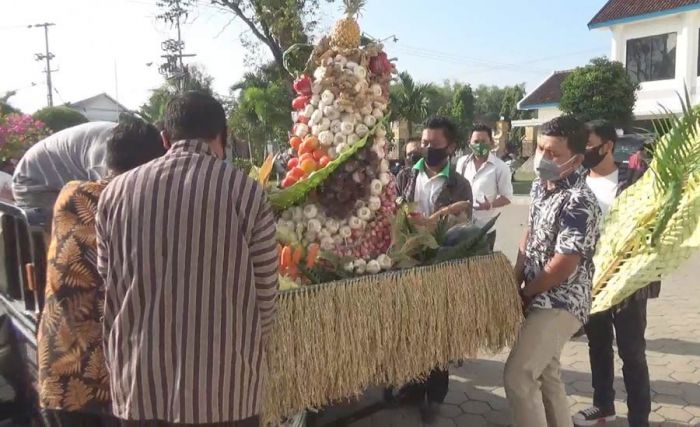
(195, 78)
(601, 90)
(488, 103)
(277, 24)
(59, 118)
(410, 101)
(5, 107)
(462, 109)
(509, 106)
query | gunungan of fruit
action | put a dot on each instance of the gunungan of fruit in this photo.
(346, 33)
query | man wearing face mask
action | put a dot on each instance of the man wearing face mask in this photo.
(488, 175)
(413, 152)
(628, 319)
(554, 272)
(438, 191)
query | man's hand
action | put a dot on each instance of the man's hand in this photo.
(483, 206)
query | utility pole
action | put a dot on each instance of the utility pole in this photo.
(47, 56)
(174, 67)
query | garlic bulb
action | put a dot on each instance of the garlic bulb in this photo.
(325, 123)
(355, 222)
(361, 86)
(319, 73)
(335, 126)
(376, 187)
(385, 178)
(327, 96)
(349, 267)
(340, 148)
(360, 266)
(351, 65)
(338, 240)
(301, 130)
(374, 203)
(315, 99)
(314, 226)
(310, 212)
(360, 72)
(353, 138)
(364, 213)
(370, 121)
(308, 110)
(377, 113)
(380, 131)
(361, 130)
(373, 267)
(348, 118)
(327, 243)
(381, 105)
(297, 214)
(332, 225)
(384, 262)
(316, 130)
(341, 60)
(316, 117)
(345, 231)
(339, 138)
(367, 109)
(347, 128)
(316, 88)
(376, 90)
(384, 165)
(331, 112)
(332, 153)
(326, 138)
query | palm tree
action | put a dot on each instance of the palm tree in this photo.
(410, 101)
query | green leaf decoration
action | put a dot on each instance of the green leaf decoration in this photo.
(295, 194)
(472, 246)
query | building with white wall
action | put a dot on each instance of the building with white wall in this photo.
(99, 108)
(656, 40)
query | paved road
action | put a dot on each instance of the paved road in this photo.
(477, 397)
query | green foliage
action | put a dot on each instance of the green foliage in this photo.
(462, 110)
(195, 78)
(5, 107)
(59, 118)
(601, 90)
(410, 101)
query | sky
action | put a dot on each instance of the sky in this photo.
(106, 45)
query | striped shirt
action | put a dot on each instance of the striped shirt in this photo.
(186, 245)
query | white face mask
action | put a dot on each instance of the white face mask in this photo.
(548, 170)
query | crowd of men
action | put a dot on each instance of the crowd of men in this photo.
(162, 269)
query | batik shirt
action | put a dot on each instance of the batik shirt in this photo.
(72, 371)
(564, 220)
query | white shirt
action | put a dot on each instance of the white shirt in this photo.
(605, 189)
(490, 181)
(427, 191)
(76, 153)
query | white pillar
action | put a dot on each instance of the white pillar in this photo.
(617, 50)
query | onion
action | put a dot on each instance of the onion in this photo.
(376, 90)
(327, 96)
(376, 187)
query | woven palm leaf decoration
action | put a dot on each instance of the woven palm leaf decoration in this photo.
(655, 224)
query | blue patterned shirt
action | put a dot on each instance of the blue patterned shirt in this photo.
(564, 220)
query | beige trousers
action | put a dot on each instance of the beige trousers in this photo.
(532, 379)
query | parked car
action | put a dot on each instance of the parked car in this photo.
(628, 145)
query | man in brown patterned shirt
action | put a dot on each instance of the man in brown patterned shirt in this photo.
(187, 247)
(73, 380)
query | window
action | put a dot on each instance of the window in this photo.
(652, 58)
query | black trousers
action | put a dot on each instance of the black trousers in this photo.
(59, 418)
(630, 323)
(434, 388)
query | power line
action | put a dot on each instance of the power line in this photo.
(47, 56)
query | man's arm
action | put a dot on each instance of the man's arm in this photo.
(504, 187)
(263, 252)
(520, 261)
(557, 270)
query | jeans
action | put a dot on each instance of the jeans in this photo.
(630, 323)
(532, 375)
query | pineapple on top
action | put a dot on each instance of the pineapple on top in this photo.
(346, 33)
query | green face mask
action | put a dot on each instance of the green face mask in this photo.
(481, 149)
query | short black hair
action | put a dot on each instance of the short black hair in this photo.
(133, 143)
(448, 128)
(483, 127)
(604, 129)
(194, 115)
(568, 127)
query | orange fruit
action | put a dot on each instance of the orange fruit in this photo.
(312, 140)
(295, 142)
(323, 161)
(318, 153)
(308, 165)
(305, 147)
(296, 173)
(288, 181)
(305, 156)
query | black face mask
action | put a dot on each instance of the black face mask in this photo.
(435, 157)
(593, 157)
(413, 158)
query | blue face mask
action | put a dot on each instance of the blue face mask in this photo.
(549, 170)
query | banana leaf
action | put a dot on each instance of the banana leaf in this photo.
(655, 224)
(295, 194)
